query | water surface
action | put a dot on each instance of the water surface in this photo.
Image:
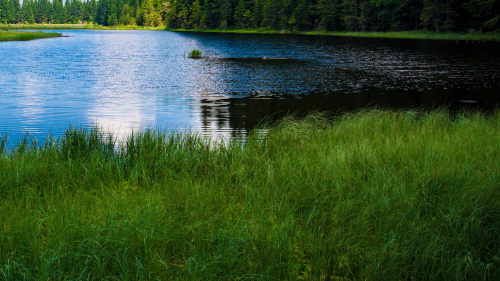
(125, 80)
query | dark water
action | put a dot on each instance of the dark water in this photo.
(126, 80)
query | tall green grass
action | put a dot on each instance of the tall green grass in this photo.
(25, 36)
(81, 26)
(375, 195)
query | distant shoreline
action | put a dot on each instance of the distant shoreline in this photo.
(389, 34)
(474, 36)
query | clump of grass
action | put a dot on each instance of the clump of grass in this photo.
(196, 53)
(373, 195)
(25, 36)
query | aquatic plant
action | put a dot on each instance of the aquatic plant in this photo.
(24, 36)
(196, 53)
(374, 195)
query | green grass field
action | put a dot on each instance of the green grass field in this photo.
(374, 195)
(25, 36)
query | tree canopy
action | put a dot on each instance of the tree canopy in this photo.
(299, 15)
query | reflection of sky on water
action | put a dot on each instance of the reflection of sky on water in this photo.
(127, 80)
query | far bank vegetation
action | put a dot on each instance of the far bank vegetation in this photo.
(299, 15)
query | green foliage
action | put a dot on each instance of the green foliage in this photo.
(288, 15)
(485, 13)
(375, 195)
(196, 53)
(196, 14)
(239, 14)
(126, 16)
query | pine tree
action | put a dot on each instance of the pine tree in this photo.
(256, 14)
(225, 13)
(151, 16)
(3, 11)
(302, 15)
(15, 12)
(126, 15)
(271, 13)
(325, 13)
(59, 15)
(196, 14)
(28, 15)
(102, 13)
(351, 14)
(431, 14)
(239, 13)
(486, 12)
(366, 15)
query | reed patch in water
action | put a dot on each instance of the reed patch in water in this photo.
(196, 53)
(6, 35)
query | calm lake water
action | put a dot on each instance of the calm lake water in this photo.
(127, 80)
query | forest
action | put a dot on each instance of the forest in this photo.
(290, 15)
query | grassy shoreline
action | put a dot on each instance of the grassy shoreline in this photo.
(25, 36)
(474, 36)
(372, 195)
(78, 26)
(490, 36)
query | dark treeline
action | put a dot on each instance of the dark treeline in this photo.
(296, 15)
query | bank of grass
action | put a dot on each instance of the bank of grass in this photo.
(6, 35)
(80, 26)
(375, 195)
(474, 36)
(459, 36)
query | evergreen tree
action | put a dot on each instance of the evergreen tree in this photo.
(126, 16)
(431, 14)
(4, 6)
(256, 15)
(351, 14)
(211, 17)
(195, 14)
(484, 13)
(59, 14)
(239, 13)
(150, 15)
(113, 13)
(15, 12)
(302, 15)
(366, 15)
(449, 15)
(225, 13)
(102, 13)
(271, 13)
(326, 14)
(274, 14)
(28, 15)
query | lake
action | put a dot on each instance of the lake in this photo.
(130, 80)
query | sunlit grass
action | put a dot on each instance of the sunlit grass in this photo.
(81, 26)
(375, 195)
(24, 36)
